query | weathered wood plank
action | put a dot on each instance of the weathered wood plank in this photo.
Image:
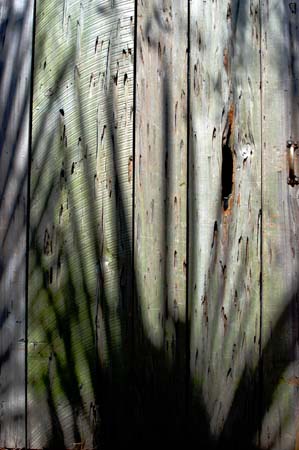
(15, 85)
(280, 46)
(81, 208)
(160, 217)
(225, 202)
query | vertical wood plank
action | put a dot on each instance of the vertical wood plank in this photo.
(81, 225)
(160, 217)
(225, 202)
(15, 85)
(280, 45)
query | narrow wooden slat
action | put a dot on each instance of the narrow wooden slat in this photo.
(160, 217)
(225, 222)
(15, 82)
(81, 208)
(280, 45)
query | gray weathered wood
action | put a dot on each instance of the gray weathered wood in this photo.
(81, 208)
(243, 107)
(160, 213)
(15, 82)
(224, 235)
(280, 63)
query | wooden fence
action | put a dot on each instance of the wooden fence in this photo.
(149, 238)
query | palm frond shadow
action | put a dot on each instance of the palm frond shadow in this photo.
(139, 398)
(141, 406)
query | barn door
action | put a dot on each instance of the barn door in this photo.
(163, 231)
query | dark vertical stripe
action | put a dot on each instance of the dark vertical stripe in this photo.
(188, 217)
(134, 181)
(260, 369)
(28, 215)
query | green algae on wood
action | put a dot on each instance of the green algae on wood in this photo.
(81, 208)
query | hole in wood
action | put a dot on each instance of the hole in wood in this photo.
(227, 166)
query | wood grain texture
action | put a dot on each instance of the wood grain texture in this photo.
(81, 226)
(160, 215)
(225, 221)
(280, 62)
(15, 81)
(104, 369)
